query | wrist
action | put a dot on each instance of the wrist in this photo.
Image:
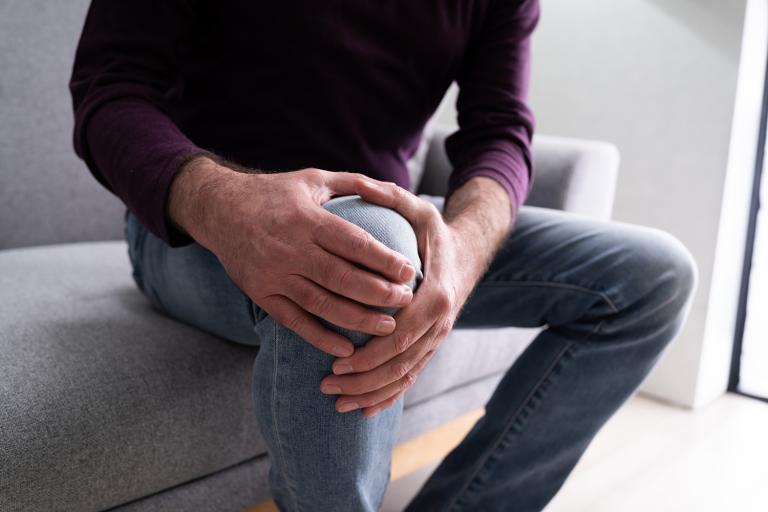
(193, 195)
(479, 216)
(472, 256)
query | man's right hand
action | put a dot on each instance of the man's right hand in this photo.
(292, 257)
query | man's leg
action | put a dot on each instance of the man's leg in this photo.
(612, 296)
(322, 460)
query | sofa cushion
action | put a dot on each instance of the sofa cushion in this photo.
(105, 401)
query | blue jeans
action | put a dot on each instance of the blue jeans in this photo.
(612, 296)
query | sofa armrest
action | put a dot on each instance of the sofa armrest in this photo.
(573, 175)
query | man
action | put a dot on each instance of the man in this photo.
(187, 109)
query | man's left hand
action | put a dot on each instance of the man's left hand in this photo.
(376, 375)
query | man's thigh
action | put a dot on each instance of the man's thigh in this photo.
(190, 285)
(556, 266)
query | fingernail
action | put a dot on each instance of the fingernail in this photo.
(407, 272)
(342, 368)
(386, 325)
(330, 389)
(406, 294)
(342, 351)
(348, 406)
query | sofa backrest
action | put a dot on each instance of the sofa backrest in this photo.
(47, 194)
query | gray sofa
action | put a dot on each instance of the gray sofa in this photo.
(105, 404)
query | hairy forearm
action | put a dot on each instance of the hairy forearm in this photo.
(480, 214)
(195, 182)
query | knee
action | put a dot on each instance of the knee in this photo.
(663, 270)
(384, 224)
(675, 261)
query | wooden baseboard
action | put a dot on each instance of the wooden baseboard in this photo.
(420, 451)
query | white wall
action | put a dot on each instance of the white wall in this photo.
(657, 78)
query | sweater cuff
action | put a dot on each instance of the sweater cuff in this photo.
(136, 151)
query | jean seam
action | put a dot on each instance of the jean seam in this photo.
(273, 404)
(554, 284)
(136, 259)
(455, 503)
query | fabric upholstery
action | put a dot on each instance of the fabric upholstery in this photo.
(103, 400)
(573, 175)
(46, 193)
(241, 486)
(106, 401)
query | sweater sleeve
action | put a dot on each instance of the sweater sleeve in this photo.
(124, 76)
(495, 123)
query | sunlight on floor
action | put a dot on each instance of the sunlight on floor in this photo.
(651, 456)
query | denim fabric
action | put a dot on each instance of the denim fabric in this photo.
(610, 295)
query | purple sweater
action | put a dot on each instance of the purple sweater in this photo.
(290, 84)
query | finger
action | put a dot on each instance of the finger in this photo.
(412, 323)
(342, 183)
(350, 403)
(290, 315)
(392, 371)
(342, 277)
(337, 310)
(373, 410)
(353, 243)
(375, 398)
(393, 196)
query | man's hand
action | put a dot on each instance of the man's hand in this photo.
(292, 257)
(455, 251)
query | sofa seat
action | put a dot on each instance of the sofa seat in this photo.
(103, 400)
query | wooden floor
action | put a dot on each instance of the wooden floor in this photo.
(650, 457)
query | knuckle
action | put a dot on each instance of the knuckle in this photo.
(296, 323)
(428, 212)
(391, 295)
(361, 242)
(442, 300)
(314, 173)
(325, 267)
(408, 380)
(399, 370)
(294, 216)
(346, 278)
(398, 193)
(431, 209)
(401, 341)
(444, 330)
(321, 304)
